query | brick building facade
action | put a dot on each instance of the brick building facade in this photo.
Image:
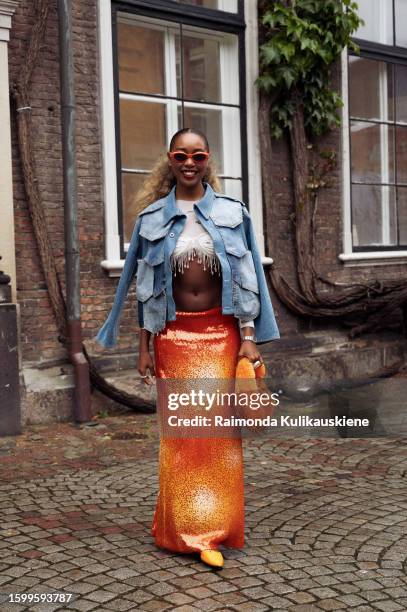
(310, 351)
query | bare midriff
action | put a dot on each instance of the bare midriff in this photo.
(197, 289)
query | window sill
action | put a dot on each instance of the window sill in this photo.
(373, 258)
(114, 267)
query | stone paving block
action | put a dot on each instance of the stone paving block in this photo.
(199, 592)
(119, 605)
(279, 588)
(230, 598)
(323, 592)
(390, 581)
(251, 606)
(100, 579)
(330, 580)
(245, 581)
(178, 598)
(211, 604)
(331, 604)
(396, 592)
(138, 597)
(351, 600)
(84, 605)
(123, 574)
(119, 588)
(305, 608)
(186, 608)
(373, 595)
(82, 587)
(155, 605)
(255, 592)
(368, 585)
(387, 606)
(161, 588)
(139, 581)
(277, 602)
(100, 596)
(301, 597)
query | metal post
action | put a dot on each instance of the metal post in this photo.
(72, 260)
(10, 407)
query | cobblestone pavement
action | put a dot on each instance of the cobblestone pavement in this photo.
(326, 524)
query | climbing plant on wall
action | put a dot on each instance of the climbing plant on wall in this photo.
(302, 40)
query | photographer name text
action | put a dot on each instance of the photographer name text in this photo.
(268, 421)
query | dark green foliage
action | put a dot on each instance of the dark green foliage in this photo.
(302, 39)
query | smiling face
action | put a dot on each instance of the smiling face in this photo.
(188, 173)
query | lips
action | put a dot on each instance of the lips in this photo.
(189, 174)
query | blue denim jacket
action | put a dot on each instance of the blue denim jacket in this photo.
(244, 288)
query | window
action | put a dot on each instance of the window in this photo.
(173, 76)
(376, 105)
(171, 64)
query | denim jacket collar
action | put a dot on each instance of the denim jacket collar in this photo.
(170, 209)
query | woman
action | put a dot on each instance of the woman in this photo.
(199, 272)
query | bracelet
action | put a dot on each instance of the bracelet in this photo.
(251, 338)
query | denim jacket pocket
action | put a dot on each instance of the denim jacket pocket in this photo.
(227, 213)
(145, 280)
(245, 287)
(154, 254)
(153, 225)
(247, 273)
(233, 240)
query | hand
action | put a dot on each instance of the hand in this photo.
(146, 367)
(249, 349)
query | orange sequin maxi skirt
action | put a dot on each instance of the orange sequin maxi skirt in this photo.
(201, 498)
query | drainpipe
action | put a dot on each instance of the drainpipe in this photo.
(82, 408)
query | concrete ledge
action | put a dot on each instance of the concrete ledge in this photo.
(302, 366)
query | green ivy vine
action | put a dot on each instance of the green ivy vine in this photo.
(301, 41)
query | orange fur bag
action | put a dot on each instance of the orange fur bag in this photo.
(254, 401)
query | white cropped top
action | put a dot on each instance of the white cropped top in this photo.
(195, 242)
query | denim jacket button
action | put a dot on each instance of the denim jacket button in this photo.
(172, 234)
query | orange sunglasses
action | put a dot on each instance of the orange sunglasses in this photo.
(180, 156)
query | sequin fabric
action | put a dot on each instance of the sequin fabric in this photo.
(201, 497)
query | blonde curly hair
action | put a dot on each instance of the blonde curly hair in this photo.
(161, 180)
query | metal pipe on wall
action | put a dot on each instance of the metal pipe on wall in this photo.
(82, 409)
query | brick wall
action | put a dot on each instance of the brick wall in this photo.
(38, 330)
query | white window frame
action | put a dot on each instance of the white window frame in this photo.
(113, 263)
(348, 256)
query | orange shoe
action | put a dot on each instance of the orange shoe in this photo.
(212, 557)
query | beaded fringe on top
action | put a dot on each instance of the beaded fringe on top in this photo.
(178, 264)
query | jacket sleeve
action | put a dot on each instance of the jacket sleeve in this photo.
(107, 335)
(265, 324)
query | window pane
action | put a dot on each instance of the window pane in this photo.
(222, 5)
(402, 208)
(201, 68)
(373, 216)
(233, 188)
(370, 89)
(131, 183)
(401, 154)
(372, 149)
(378, 18)
(401, 23)
(141, 58)
(142, 133)
(401, 93)
(209, 122)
